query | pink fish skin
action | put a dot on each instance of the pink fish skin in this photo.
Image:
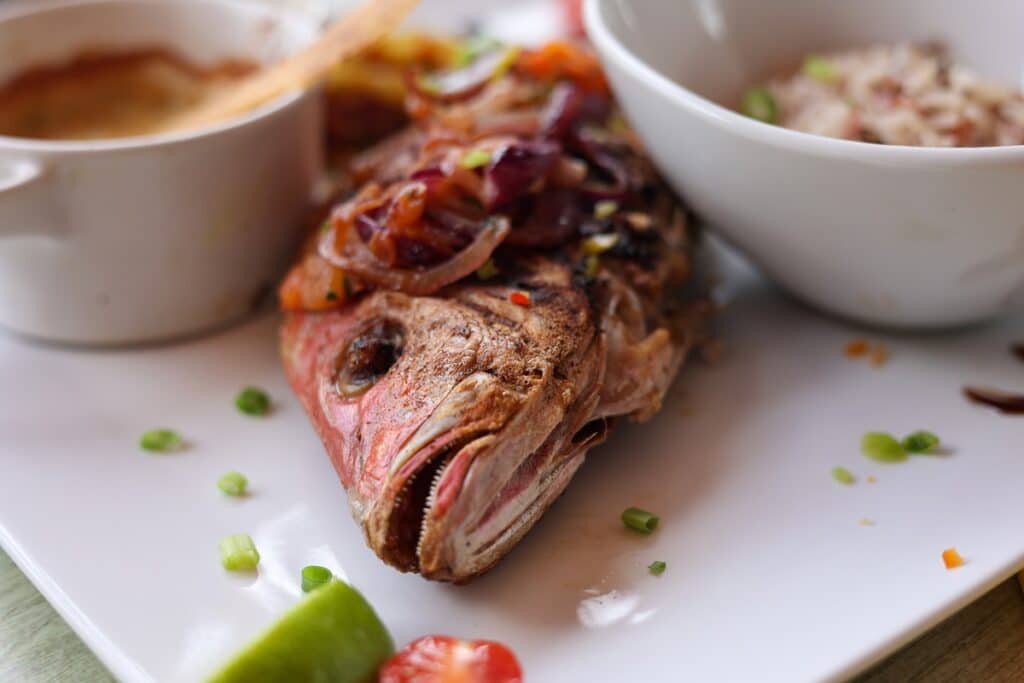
(454, 420)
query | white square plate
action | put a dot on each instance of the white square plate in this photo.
(771, 576)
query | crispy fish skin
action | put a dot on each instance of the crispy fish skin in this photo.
(483, 410)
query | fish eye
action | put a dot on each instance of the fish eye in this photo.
(369, 356)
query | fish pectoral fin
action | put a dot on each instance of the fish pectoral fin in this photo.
(638, 374)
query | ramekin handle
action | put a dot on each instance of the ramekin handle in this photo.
(26, 200)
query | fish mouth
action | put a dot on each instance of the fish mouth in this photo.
(463, 491)
(467, 417)
(413, 506)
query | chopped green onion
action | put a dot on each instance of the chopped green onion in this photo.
(591, 266)
(475, 46)
(843, 475)
(161, 440)
(314, 576)
(487, 270)
(598, 244)
(253, 401)
(346, 287)
(759, 104)
(428, 84)
(920, 441)
(617, 124)
(506, 62)
(325, 226)
(640, 520)
(475, 158)
(882, 447)
(238, 553)
(820, 69)
(233, 484)
(331, 296)
(657, 567)
(605, 208)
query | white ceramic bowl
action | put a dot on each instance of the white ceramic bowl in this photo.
(898, 236)
(140, 239)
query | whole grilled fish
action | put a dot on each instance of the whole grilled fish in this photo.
(454, 417)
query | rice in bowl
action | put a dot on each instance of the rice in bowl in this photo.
(893, 95)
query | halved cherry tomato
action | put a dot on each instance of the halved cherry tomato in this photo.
(443, 659)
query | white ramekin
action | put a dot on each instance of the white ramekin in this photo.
(148, 238)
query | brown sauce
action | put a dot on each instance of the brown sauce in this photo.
(109, 94)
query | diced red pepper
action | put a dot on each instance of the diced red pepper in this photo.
(520, 298)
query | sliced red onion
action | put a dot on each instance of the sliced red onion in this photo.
(569, 107)
(427, 174)
(516, 167)
(434, 237)
(462, 84)
(413, 252)
(596, 109)
(355, 257)
(388, 160)
(549, 220)
(563, 108)
(615, 159)
(524, 123)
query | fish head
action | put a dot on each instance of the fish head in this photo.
(453, 421)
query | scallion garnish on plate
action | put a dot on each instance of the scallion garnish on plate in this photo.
(657, 567)
(161, 440)
(233, 484)
(882, 447)
(238, 553)
(314, 576)
(253, 401)
(920, 441)
(843, 475)
(640, 520)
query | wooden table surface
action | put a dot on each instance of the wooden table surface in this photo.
(982, 643)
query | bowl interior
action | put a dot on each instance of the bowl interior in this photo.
(203, 31)
(718, 48)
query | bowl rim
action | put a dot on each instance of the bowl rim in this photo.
(613, 48)
(295, 22)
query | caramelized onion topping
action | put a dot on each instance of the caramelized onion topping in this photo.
(503, 151)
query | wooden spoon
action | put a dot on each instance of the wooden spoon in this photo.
(350, 34)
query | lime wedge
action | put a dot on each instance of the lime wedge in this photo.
(331, 635)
